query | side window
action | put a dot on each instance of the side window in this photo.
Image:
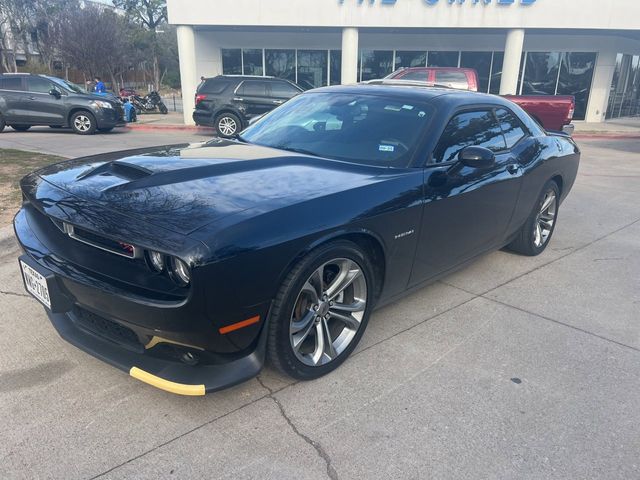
(478, 128)
(283, 90)
(417, 75)
(39, 85)
(253, 89)
(511, 126)
(11, 83)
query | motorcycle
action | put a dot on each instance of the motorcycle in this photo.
(149, 103)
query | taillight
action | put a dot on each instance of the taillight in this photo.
(572, 110)
(200, 97)
(473, 83)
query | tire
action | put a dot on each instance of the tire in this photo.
(535, 235)
(21, 128)
(163, 108)
(294, 318)
(227, 125)
(83, 123)
(105, 130)
(2, 123)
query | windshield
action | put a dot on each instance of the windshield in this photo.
(358, 128)
(67, 85)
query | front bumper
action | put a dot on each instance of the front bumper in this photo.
(110, 117)
(87, 315)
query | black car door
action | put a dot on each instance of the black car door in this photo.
(13, 99)
(252, 96)
(44, 108)
(466, 210)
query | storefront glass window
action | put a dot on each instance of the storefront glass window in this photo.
(231, 61)
(312, 68)
(481, 63)
(576, 74)
(375, 64)
(410, 59)
(281, 64)
(541, 73)
(336, 67)
(496, 73)
(252, 60)
(443, 59)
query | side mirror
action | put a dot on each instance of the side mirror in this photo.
(477, 157)
(55, 93)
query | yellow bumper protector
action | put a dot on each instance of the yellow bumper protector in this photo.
(162, 384)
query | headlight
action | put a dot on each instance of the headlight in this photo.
(180, 271)
(101, 104)
(156, 260)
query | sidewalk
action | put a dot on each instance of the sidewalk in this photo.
(170, 121)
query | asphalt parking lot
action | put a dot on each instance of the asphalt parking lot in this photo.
(514, 368)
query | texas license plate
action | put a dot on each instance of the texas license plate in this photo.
(36, 284)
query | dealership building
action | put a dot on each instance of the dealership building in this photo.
(586, 48)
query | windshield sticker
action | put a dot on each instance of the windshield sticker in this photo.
(421, 114)
(393, 108)
(386, 148)
(407, 107)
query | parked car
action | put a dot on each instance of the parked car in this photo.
(553, 112)
(460, 78)
(27, 100)
(185, 266)
(228, 102)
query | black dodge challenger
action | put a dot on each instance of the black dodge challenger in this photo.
(189, 265)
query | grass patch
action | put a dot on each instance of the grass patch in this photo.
(15, 164)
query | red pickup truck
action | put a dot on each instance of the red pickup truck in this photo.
(553, 112)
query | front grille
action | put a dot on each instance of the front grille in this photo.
(95, 240)
(107, 329)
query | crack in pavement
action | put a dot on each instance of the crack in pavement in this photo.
(331, 471)
(15, 294)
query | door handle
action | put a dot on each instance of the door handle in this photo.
(238, 99)
(513, 168)
(31, 97)
(278, 102)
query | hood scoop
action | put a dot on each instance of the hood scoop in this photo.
(121, 169)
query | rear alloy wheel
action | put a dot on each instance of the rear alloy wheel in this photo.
(83, 123)
(536, 233)
(21, 128)
(321, 311)
(227, 125)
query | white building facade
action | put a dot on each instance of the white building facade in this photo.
(586, 48)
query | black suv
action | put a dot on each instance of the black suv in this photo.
(228, 102)
(27, 100)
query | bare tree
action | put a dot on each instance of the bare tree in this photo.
(94, 40)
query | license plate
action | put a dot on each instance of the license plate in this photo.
(36, 284)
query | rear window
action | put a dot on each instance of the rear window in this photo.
(283, 89)
(215, 85)
(453, 78)
(11, 83)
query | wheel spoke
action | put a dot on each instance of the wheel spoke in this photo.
(316, 356)
(538, 237)
(329, 351)
(357, 306)
(547, 202)
(546, 224)
(302, 335)
(304, 322)
(349, 320)
(349, 271)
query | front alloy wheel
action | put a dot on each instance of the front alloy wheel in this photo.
(321, 311)
(328, 312)
(83, 123)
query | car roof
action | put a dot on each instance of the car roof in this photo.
(415, 91)
(246, 77)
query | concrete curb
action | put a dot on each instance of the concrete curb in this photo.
(150, 126)
(606, 136)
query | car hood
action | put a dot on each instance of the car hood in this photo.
(185, 187)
